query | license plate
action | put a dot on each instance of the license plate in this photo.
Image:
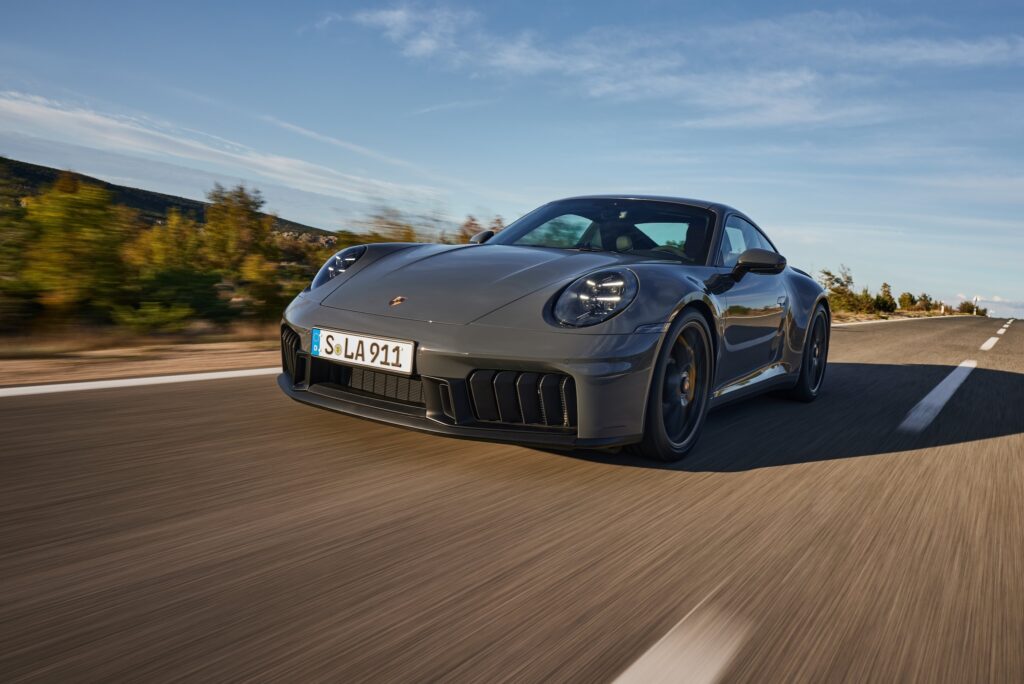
(395, 356)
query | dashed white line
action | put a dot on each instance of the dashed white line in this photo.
(1000, 331)
(989, 343)
(922, 415)
(132, 382)
(696, 650)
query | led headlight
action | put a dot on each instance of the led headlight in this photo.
(337, 264)
(596, 297)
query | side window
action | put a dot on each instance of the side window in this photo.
(740, 236)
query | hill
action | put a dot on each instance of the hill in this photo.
(30, 179)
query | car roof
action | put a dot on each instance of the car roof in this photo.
(717, 207)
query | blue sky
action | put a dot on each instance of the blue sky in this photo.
(888, 137)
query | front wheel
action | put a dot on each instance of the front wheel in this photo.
(678, 400)
(815, 358)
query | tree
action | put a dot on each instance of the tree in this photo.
(925, 302)
(75, 258)
(840, 288)
(235, 228)
(966, 307)
(907, 301)
(388, 225)
(260, 283)
(175, 244)
(468, 229)
(884, 300)
(16, 234)
(497, 224)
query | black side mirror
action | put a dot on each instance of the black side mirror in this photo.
(758, 261)
(482, 237)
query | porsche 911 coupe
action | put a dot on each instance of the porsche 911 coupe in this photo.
(591, 322)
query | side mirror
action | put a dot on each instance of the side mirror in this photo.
(482, 237)
(758, 261)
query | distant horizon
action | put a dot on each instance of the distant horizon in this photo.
(884, 138)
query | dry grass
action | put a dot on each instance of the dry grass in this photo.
(75, 341)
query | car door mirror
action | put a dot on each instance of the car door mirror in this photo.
(758, 261)
(482, 237)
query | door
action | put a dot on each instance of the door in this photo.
(756, 307)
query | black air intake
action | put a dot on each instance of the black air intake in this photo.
(290, 345)
(513, 397)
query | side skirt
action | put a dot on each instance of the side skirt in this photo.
(772, 377)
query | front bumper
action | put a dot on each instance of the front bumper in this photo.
(610, 376)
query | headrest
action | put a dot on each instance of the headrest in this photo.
(696, 242)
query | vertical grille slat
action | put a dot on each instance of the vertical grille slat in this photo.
(505, 393)
(529, 405)
(290, 345)
(485, 404)
(551, 399)
(569, 399)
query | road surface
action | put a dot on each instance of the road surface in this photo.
(216, 530)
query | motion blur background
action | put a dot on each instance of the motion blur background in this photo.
(172, 173)
(886, 139)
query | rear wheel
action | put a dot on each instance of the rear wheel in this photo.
(678, 399)
(815, 358)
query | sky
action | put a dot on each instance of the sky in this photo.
(885, 136)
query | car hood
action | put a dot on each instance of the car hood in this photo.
(463, 283)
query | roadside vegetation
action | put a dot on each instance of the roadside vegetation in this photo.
(847, 302)
(72, 258)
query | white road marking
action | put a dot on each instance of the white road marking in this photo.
(899, 320)
(989, 343)
(697, 650)
(922, 415)
(132, 382)
(1000, 331)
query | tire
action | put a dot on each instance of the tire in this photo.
(680, 392)
(814, 361)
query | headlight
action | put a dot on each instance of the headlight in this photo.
(337, 264)
(596, 297)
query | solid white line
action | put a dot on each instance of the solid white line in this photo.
(696, 650)
(132, 382)
(922, 415)
(989, 343)
(898, 320)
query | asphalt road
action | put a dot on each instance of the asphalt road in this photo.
(216, 530)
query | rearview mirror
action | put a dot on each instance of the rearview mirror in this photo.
(482, 237)
(758, 261)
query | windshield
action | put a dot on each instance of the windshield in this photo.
(635, 226)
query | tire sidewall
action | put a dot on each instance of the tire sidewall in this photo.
(806, 386)
(656, 441)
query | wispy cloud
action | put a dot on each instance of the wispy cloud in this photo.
(806, 68)
(422, 32)
(325, 21)
(51, 119)
(338, 142)
(449, 106)
(854, 38)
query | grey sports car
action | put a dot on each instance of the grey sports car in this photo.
(591, 322)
